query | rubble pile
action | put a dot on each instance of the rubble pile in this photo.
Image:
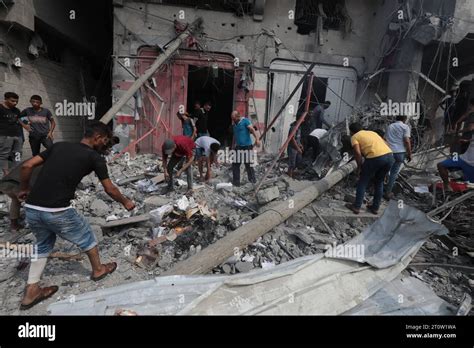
(167, 228)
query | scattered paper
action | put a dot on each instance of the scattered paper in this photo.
(158, 214)
(266, 265)
(422, 189)
(111, 218)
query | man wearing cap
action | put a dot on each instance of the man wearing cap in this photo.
(181, 149)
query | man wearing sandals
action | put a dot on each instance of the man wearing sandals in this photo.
(48, 205)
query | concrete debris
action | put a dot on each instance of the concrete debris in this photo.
(167, 229)
(99, 208)
(268, 195)
(314, 283)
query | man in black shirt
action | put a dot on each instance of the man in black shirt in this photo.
(10, 142)
(202, 116)
(48, 208)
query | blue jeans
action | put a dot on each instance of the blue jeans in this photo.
(397, 165)
(376, 169)
(67, 224)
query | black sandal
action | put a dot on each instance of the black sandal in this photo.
(52, 290)
(96, 279)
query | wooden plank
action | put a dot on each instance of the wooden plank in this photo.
(127, 221)
(130, 179)
(158, 179)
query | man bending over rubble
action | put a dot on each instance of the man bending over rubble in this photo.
(180, 148)
(206, 151)
(48, 205)
(378, 161)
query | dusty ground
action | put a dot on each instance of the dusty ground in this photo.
(302, 234)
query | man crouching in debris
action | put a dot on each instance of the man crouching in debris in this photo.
(48, 205)
(464, 162)
(179, 148)
(378, 161)
(206, 151)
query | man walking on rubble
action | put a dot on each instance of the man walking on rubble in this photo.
(242, 144)
(398, 139)
(378, 161)
(180, 149)
(48, 205)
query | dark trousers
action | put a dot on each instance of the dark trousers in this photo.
(238, 162)
(173, 162)
(376, 169)
(313, 143)
(35, 142)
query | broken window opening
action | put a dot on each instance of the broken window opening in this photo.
(317, 96)
(307, 12)
(239, 7)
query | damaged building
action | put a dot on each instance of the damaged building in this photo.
(281, 245)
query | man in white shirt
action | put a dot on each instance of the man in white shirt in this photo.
(397, 137)
(206, 150)
(314, 141)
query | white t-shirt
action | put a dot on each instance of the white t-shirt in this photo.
(205, 143)
(468, 156)
(395, 134)
(318, 133)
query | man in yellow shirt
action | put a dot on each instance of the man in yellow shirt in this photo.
(378, 161)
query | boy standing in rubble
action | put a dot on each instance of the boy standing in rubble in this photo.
(295, 150)
(378, 159)
(180, 149)
(189, 130)
(48, 205)
(242, 144)
(40, 124)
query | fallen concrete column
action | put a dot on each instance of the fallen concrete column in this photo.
(163, 57)
(224, 248)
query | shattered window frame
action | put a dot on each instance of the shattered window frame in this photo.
(307, 13)
(239, 7)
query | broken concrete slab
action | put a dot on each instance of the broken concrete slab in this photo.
(243, 267)
(153, 202)
(267, 195)
(99, 208)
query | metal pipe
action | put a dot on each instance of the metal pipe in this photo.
(163, 57)
(293, 132)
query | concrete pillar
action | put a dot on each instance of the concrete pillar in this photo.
(402, 86)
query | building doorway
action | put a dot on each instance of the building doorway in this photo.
(215, 85)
